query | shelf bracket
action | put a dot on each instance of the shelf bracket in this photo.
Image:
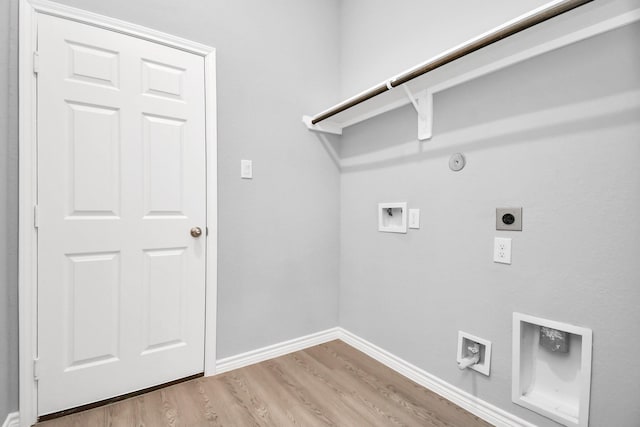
(324, 127)
(423, 103)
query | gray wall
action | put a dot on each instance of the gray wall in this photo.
(379, 39)
(278, 234)
(8, 210)
(557, 135)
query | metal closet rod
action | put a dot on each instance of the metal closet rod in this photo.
(464, 50)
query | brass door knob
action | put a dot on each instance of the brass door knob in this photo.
(196, 232)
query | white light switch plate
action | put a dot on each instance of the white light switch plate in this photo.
(502, 250)
(414, 218)
(246, 169)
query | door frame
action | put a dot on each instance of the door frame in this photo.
(28, 183)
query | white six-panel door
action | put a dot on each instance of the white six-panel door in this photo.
(121, 182)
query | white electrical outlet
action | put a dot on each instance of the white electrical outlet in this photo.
(502, 250)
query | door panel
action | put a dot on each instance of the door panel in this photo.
(93, 64)
(93, 297)
(165, 292)
(121, 181)
(163, 80)
(94, 151)
(163, 140)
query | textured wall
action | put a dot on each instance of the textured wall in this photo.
(558, 135)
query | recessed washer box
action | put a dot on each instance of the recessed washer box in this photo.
(392, 217)
(552, 369)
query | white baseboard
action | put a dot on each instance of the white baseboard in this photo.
(276, 350)
(478, 407)
(12, 420)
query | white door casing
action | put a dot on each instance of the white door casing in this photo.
(122, 179)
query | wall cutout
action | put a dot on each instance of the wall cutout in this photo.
(552, 369)
(474, 353)
(392, 217)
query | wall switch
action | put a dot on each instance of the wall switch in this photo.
(246, 169)
(414, 218)
(502, 250)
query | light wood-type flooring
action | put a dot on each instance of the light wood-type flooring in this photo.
(330, 384)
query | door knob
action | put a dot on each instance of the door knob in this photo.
(196, 231)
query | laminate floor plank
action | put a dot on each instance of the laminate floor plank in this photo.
(331, 384)
(387, 411)
(385, 395)
(378, 412)
(339, 405)
(225, 405)
(316, 410)
(291, 411)
(187, 403)
(149, 408)
(429, 407)
(364, 382)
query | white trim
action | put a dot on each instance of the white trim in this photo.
(27, 235)
(478, 407)
(112, 24)
(211, 303)
(27, 258)
(276, 350)
(12, 420)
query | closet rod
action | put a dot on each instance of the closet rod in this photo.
(502, 32)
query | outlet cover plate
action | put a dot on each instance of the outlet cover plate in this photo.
(509, 219)
(502, 250)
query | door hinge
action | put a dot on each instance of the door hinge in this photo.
(36, 369)
(36, 219)
(36, 62)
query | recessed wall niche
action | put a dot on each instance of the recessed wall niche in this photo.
(552, 369)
